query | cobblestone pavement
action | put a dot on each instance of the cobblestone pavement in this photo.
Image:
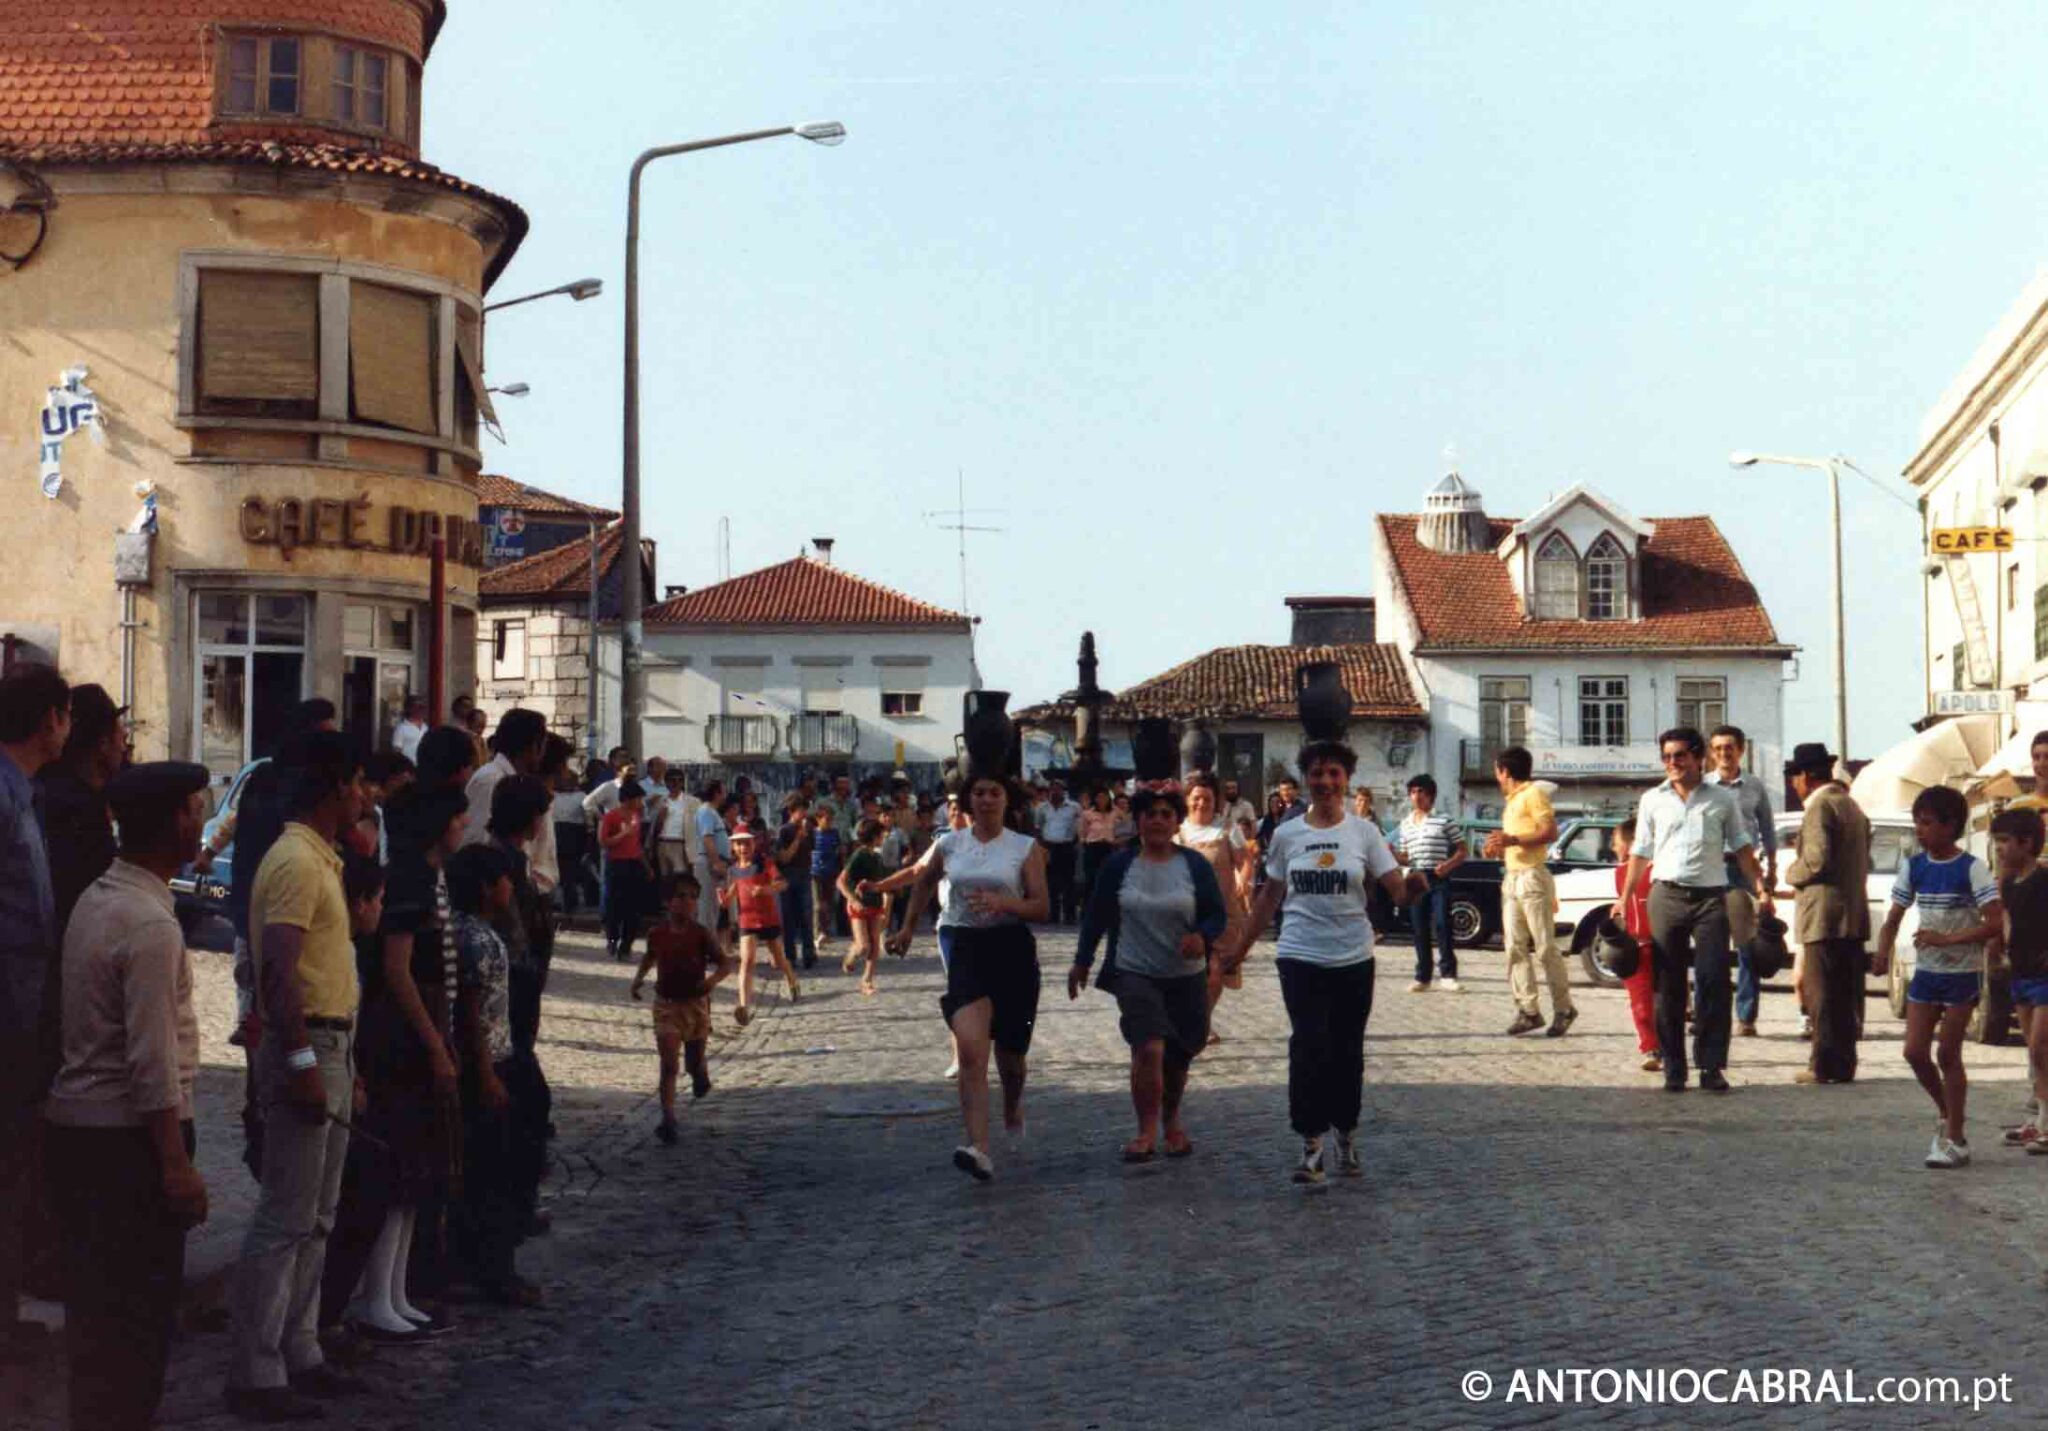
(808, 1257)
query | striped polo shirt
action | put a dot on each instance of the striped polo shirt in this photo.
(1427, 840)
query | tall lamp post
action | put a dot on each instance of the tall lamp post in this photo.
(1833, 467)
(632, 671)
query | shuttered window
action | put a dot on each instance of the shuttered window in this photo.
(472, 398)
(391, 357)
(259, 343)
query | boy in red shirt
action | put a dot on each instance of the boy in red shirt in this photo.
(626, 877)
(753, 890)
(688, 964)
(1641, 986)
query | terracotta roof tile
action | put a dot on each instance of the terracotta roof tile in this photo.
(558, 571)
(1695, 593)
(801, 592)
(495, 491)
(1256, 683)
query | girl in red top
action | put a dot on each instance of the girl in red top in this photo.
(1642, 996)
(752, 890)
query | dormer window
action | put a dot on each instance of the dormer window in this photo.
(320, 80)
(1606, 580)
(1557, 579)
(263, 74)
(361, 86)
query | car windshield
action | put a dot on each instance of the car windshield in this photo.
(1890, 845)
(1587, 845)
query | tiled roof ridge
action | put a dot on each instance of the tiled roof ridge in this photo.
(550, 572)
(1252, 680)
(506, 491)
(677, 610)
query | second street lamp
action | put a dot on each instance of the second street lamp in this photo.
(632, 670)
(1833, 467)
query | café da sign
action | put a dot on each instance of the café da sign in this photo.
(352, 524)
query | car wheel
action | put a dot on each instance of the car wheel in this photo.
(1468, 921)
(1586, 944)
(1895, 989)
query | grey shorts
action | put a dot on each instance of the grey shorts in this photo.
(1174, 1010)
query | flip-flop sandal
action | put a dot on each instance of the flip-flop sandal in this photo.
(1135, 1155)
(1185, 1150)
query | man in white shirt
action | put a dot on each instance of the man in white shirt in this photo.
(1238, 812)
(405, 736)
(1059, 826)
(1726, 746)
(519, 743)
(676, 828)
(605, 798)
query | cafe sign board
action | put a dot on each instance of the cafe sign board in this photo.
(1963, 541)
(1955, 703)
(353, 525)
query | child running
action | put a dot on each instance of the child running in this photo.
(753, 891)
(1641, 985)
(1959, 912)
(688, 965)
(2016, 836)
(864, 907)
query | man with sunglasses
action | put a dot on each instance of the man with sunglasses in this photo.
(1686, 833)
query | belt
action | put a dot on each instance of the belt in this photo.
(1692, 888)
(317, 1021)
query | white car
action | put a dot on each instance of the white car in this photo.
(1585, 897)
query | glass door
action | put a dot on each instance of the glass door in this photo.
(378, 668)
(249, 671)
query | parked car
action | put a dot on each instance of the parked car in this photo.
(1582, 842)
(203, 896)
(1585, 897)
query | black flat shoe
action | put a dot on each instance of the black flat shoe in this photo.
(370, 1334)
(1712, 1080)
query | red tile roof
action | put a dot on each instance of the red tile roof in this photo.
(495, 491)
(561, 571)
(801, 592)
(141, 71)
(1694, 590)
(1256, 683)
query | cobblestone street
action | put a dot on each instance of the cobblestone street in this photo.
(807, 1256)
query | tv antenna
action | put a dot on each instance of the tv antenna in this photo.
(725, 548)
(960, 526)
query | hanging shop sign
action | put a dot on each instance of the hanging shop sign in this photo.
(1961, 541)
(353, 525)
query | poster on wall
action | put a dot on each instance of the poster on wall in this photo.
(70, 407)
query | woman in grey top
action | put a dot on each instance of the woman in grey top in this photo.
(1161, 909)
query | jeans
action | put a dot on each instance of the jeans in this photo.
(1741, 931)
(1431, 914)
(1328, 1009)
(1059, 876)
(797, 936)
(625, 902)
(125, 1269)
(274, 1298)
(1689, 928)
(1748, 988)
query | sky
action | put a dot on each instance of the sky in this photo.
(1187, 294)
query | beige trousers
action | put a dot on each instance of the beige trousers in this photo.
(1528, 908)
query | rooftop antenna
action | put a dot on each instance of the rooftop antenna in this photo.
(959, 512)
(725, 548)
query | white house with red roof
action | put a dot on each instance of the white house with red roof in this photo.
(805, 664)
(1580, 631)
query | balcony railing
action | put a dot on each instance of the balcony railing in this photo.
(730, 737)
(815, 736)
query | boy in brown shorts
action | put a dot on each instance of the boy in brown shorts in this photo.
(688, 965)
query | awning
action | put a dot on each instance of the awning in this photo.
(1950, 754)
(1999, 777)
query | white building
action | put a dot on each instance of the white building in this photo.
(1580, 632)
(1983, 463)
(805, 665)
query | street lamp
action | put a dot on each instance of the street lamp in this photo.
(632, 671)
(1833, 467)
(581, 289)
(514, 390)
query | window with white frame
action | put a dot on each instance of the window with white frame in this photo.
(508, 650)
(1557, 580)
(1603, 710)
(1606, 580)
(902, 691)
(1702, 701)
(249, 669)
(1503, 712)
(824, 690)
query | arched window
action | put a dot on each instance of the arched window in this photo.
(1557, 580)
(1606, 580)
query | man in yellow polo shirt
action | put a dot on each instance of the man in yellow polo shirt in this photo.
(306, 997)
(1528, 896)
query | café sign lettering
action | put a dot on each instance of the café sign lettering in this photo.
(1961, 541)
(293, 522)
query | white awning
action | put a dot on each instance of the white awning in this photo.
(1949, 753)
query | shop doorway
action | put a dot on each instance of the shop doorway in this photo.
(1243, 758)
(378, 666)
(249, 672)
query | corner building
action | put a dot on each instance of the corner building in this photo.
(219, 212)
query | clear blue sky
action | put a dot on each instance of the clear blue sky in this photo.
(1190, 292)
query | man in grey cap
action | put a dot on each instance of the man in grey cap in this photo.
(120, 1109)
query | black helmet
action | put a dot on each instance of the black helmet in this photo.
(1768, 955)
(1623, 955)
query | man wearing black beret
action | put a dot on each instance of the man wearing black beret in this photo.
(120, 1110)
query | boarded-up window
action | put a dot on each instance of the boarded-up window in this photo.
(259, 343)
(391, 357)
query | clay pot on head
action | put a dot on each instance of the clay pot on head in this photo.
(1152, 749)
(1321, 700)
(987, 731)
(1198, 748)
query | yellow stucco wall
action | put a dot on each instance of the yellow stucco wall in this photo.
(103, 292)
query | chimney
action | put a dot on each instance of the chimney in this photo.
(1453, 518)
(670, 593)
(1332, 621)
(824, 549)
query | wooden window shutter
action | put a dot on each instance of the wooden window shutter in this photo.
(391, 356)
(469, 354)
(259, 337)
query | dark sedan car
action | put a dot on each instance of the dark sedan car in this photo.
(1583, 842)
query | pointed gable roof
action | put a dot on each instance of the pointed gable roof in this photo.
(1542, 517)
(1255, 683)
(802, 592)
(493, 490)
(562, 571)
